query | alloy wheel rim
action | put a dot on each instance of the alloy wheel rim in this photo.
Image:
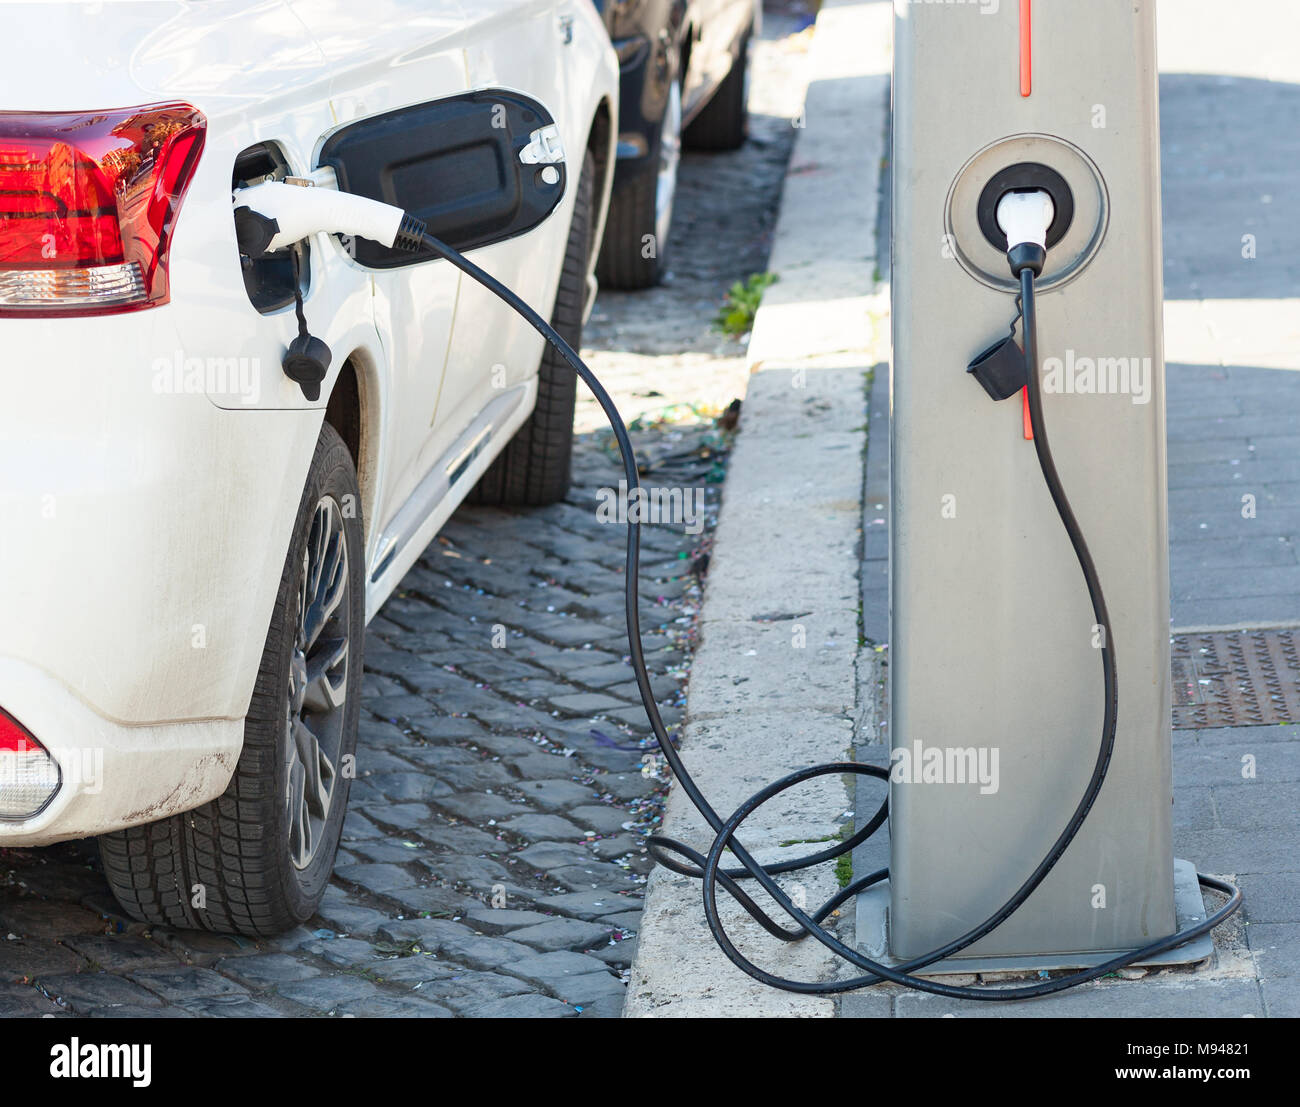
(318, 682)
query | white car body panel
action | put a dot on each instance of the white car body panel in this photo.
(147, 523)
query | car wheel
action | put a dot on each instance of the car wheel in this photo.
(723, 123)
(641, 211)
(257, 859)
(533, 469)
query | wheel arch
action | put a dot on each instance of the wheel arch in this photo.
(602, 138)
(354, 411)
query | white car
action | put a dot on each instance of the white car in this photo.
(193, 540)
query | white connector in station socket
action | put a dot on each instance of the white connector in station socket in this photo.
(1024, 217)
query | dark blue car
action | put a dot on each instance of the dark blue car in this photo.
(683, 68)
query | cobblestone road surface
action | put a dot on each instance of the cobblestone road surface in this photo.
(492, 862)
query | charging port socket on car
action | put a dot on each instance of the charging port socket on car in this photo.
(270, 280)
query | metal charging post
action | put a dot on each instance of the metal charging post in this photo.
(995, 678)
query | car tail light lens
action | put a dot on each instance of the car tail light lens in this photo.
(29, 776)
(88, 204)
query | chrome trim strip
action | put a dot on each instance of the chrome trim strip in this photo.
(443, 477)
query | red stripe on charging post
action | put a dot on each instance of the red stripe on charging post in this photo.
(1026, 49)
(1026, 89)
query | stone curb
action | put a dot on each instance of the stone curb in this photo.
(773, 684)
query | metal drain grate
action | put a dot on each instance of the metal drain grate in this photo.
(1236, 678)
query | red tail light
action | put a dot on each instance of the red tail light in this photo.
(13, 739)
(88, 203)
(29, 776)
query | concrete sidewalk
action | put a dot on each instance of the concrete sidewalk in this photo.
(1231, 178)
(773, 682)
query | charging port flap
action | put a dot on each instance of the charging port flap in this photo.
(476, 168)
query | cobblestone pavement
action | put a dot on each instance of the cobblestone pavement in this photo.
(492, 861)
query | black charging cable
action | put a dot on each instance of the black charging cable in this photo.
(669, 852)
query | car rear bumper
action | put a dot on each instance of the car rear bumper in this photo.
(145, 527)
(112, 775)
(145, 537)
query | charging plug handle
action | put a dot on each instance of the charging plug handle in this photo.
(292, 212)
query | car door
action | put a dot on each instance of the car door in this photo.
(521, 45)
(391, 55)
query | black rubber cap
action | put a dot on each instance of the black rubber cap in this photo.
(307, 361)
(1000, 369)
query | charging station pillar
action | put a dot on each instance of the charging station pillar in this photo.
(993, 658)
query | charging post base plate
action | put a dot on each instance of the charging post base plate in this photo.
(872, 927)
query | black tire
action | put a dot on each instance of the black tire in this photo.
(723, 123)
(236, 849)
(633, 252)
(622, 263)
(533, 469)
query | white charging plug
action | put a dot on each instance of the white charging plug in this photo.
(1025, 217)
(300, 211)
